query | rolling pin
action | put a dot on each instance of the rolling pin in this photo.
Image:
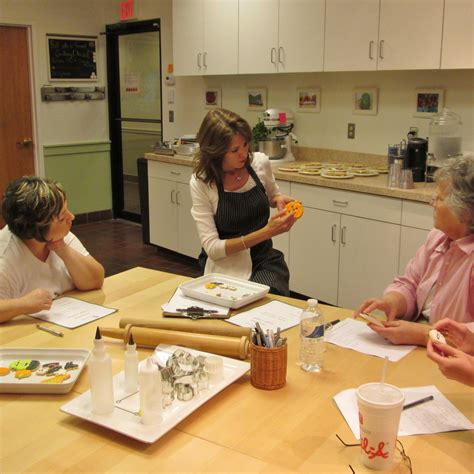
(237, 347)
(202, 326)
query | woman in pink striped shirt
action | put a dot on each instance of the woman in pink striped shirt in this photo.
(439, 281)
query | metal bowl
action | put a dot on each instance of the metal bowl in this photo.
(273, 147)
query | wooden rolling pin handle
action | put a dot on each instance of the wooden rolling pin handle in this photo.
(149, 337)
(201, 326)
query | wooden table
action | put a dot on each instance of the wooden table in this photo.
(241, 429)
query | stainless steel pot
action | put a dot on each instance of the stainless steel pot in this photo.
(273, 147)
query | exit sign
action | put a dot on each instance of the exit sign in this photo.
(127, 10)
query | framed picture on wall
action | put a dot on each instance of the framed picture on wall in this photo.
(71, 58)
(212, 98)
(308, 99)
(428, 101)
(365, 101)
(256, 98)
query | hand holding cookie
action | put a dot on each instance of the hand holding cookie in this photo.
(295, 207)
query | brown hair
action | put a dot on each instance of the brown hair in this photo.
(29, 206)
(214, 137)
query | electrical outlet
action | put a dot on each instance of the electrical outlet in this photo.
(351, 130)
(171, 116)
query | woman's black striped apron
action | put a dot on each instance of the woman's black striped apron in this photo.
(242, 213)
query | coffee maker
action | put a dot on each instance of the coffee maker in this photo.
(417, 149)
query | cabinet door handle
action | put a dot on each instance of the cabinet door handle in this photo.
(343, 235)
(199, 60)
(333, 232)
(177, 198)
(381, 49)
(204, 59)
(172, 196)
(272, 52)
(176, 173)
(340, 203)
(280, 54)
(371, 50)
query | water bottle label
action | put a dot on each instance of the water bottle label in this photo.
(318, 331)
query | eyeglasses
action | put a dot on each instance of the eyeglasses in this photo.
(405, 458)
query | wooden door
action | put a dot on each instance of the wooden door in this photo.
(16, 129)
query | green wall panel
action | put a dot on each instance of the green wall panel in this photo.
(84, 171)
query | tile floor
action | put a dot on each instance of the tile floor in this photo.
(118, 245)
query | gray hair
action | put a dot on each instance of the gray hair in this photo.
(29, 206)
(458, 174)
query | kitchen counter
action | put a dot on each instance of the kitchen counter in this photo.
(369, 185)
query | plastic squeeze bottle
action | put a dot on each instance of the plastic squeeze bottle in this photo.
(151, 405)
(131, 366)
(100, 368)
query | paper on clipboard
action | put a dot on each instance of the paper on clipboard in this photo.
(72, 312)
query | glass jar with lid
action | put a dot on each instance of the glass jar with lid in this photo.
(445, 137)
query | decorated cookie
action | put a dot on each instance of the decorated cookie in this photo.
(57, 379)
(24, 364)
(4, 371)
(71, 366)
(23, 374)
(295, 207)
(436, 336)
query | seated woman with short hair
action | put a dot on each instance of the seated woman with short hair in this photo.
(439, 281)
(39, 257)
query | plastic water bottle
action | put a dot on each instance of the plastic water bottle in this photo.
(312, 337)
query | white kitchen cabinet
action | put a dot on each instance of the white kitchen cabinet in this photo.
(351, 35)
(458, 35)
(281, 36)
(346, 246)
(205, 37)
(314, 255)
(368, 259)
(171, 223)
(417, 221)
(386, 35)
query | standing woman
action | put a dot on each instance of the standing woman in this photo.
(39, 257)
(232, 190)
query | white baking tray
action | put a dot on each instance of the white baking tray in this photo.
(125, 418)
(245, 292)
(32, 384)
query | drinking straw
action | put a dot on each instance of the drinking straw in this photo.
(384, 373)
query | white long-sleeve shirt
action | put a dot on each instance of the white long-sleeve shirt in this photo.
(205, 199)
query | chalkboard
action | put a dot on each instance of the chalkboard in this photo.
(72, 58)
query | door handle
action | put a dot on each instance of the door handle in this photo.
(177, 198)
(333, 233)
(272, 52)
(371, 50)
(280, 54)
(25, 142)
(204, 59)
(381, 49)
(172, 196)
(176, 173)
(199, 60)
(340, 203)
(343, 235)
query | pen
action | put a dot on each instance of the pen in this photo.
(331, 324)
(418, 402)
(51, 331)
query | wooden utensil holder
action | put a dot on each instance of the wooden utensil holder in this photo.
(268, 366)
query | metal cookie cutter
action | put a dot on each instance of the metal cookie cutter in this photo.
(184, 391)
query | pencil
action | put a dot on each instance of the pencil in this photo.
(418, 402)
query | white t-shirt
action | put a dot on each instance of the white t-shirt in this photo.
(205, 199)
(21, 272)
